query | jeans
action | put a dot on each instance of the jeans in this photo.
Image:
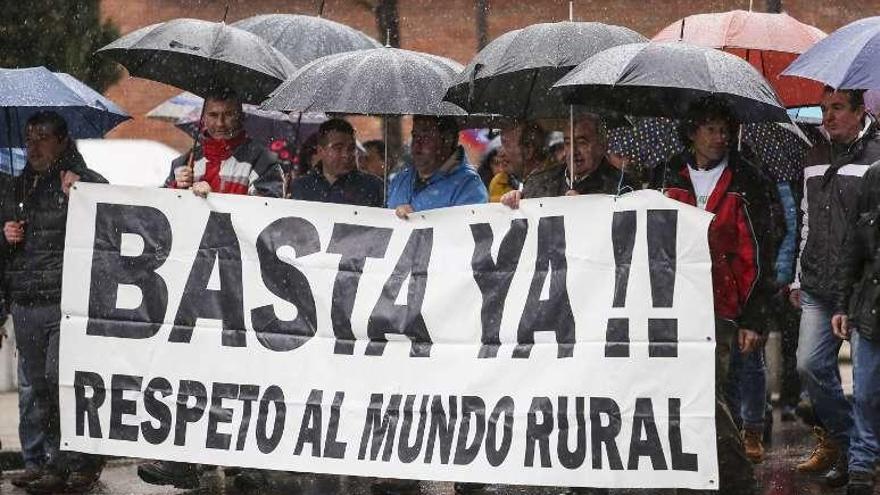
(36, 337)
(747, 388)
(819, 370)
(864, 450)
(30, 418)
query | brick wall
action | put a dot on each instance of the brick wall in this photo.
(446, 28)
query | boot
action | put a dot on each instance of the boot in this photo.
(753, 444)
(177, 474)
(395, 487)
(823, 456)
(839, 474)
(23, 478)
(83, 481)
(860, 483)
(48, 482)
(462, 488)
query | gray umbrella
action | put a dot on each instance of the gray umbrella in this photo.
(663, 79)
(379, 81)
(513, 74)
(200, 56)
(303, 38)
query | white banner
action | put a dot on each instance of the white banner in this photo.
(568, 343)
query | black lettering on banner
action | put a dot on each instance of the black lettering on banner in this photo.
(471, 406)
(185, 413)
(538, 433)
(158, 410)
(110, 269)
(391, 318)
(644, 422)
(355, 243)
(553, 314)
(219, 414)
(493, 277)
(274, 396)
(568, 458)
(623, 240)
(287, 282)
(496, 454)
(219, 246)
(312, 422)
(681, 461)
(380, 428)
(442, 428)
(334, 449)
(87, 405)
(662, 234)
(247, 394)
(605, 434)
(406, 451)
(120, 406)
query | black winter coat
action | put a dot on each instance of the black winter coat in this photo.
(858, 278)
(34, 267)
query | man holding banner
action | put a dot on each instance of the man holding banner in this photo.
(34, 216)
(713, 177)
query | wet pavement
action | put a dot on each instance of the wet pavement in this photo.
(791, 441)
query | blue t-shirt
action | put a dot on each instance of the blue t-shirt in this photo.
(459, 186)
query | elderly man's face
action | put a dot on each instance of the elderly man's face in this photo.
(43, 146)
(589, 147)
(223, 118)
(839, 118)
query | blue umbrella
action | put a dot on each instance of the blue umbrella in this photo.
(24, 92)
(847, 59)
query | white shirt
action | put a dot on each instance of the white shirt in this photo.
(704, 181)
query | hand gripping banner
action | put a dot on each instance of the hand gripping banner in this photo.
(569, 343)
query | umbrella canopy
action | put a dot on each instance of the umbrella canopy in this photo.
(663, 79)
(770, 42)
(513, 74)
(379, 81)
(201, 56)
(780, 148)
(24, 92)
(303, 38)
(847, 59)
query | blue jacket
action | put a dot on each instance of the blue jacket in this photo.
(460, 185)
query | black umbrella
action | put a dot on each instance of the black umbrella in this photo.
(663, 79)
(379, 81)
(513, 74)
(303, 38)
(200, 56)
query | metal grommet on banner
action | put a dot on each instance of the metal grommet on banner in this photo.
(355, 212)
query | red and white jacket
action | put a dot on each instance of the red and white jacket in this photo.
(744, 236)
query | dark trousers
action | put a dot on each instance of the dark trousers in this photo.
(788, 320)
(36, 336)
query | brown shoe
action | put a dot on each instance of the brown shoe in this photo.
(22, 478)
(823, 456)
(754, 445)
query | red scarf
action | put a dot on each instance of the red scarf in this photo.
(216, 151)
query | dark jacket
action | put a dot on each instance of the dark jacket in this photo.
(744, 236)
(832, 179)
(34, 267)
(858, 276)
(354, 188)
(552, 180)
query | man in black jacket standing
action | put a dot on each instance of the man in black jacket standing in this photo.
(855, 317)
(34, 216)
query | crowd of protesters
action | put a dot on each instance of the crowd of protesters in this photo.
(763, 278)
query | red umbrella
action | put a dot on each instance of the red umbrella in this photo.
(770, 42)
